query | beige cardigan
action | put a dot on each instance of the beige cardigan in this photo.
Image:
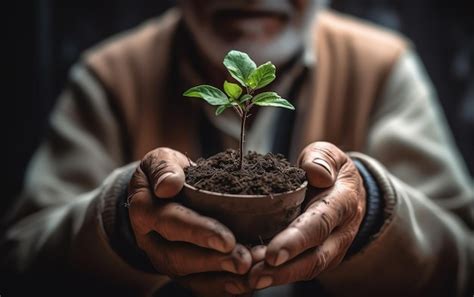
(116, 109)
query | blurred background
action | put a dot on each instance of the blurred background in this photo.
(47, 37)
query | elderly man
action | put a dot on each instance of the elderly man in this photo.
(398, 212)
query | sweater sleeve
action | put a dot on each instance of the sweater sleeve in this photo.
(425, 246)
(58, 228)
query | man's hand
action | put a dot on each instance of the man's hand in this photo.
(178, 241)
(319, 238)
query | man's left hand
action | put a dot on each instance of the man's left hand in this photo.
(320, 237)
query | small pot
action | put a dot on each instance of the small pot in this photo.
(252, 218)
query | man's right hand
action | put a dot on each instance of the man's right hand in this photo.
(178, 241)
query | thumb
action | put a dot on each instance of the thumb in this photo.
(321, 161)
(164, 170)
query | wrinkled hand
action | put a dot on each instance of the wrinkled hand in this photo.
(178, 241)
(319, 238)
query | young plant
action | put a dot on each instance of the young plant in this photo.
(241, 98)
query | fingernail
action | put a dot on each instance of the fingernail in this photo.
(232, 288)
(264, 282)
(228, 265)
(323, 163)
(216, 244)
(282, 256)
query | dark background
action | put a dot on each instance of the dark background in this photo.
(47, 37)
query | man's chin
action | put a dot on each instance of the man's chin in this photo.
(277, 50)
(250, 30)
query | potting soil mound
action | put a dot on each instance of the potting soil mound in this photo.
(261, 174)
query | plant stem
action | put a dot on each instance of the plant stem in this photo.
(242, 137)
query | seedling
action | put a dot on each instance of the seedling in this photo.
(251, 78)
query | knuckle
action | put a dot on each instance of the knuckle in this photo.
(355, 199)
(347, 206)
(138, 199)
(326, 145)
(358, 207)
(314, 266)
(154, 163)
(137, 181)
(347, 238)
(311, 273)
(301, 240)
(345, 210)
(329, 156)
(360, 211)
(325, 226)
(304, 153)
(319, 263)
(301, 220)
(336, 261)
(242, 264)
(165, 150)
(148, 159)
(332, 153)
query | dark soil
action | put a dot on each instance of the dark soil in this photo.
(261, 174)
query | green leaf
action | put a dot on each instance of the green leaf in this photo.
(221, 108)
(232, 90)
(212, 95)
(240, 66)
(262, 76)
(271, 99)
(245, 97)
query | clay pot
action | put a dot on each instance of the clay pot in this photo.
(252, 218)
